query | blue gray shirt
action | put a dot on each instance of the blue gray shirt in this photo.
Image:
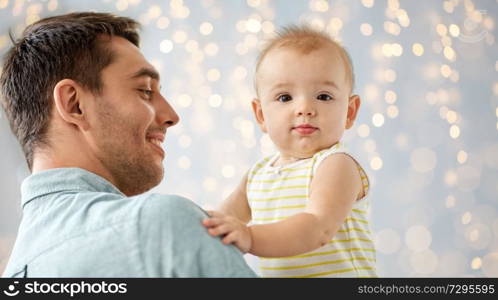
(77, 224)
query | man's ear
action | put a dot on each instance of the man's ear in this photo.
(353, 107)
(68, 103)
(258, 114)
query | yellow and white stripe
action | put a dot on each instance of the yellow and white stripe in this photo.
(276, 193)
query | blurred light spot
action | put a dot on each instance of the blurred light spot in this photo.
(4, 3)
(450, 178)
(454, 30)
(476, 263)
(122, 5)
(206, 28)
(247, 129)
(211, 49)
(368, 3)
(180, 37)
(268, 27)
(335, 24)
(392, 28)
(466, 218)
(191, 46)
(424, 262)
(390, 75)
(215, 100)
(418, 238)
(210, 184)
(370, 145)
(251, 40)
(366, 29)
(479, 236)
(450, 201)
(254, 3)
(418, 49)
(462, 156)
(378, 120)
(240, 73)
(397, 50)
(162, 23)
(445, 71)
(253, 25)
(363, 130)
(441, 29)
(376, 163)
(490, 265)
(154, 11)
(448, 6)
(371, 92)
(213, 74)
(184, 100)
(4, 40)
(392, 111)
(387, 241)
(228, 171)
(454, 131)
(241, 26)
(401, 141)
(451, 116)
(184, 141)
(423, 160)
(390, 97)
(184, 162)
(166, 46)
(52, 5)
(495, 88)
(446, 41)
(387, 50)
(449, 53)
(319, 5)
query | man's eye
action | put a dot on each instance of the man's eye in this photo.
(284, 98)
(146, 93)
(324, 97)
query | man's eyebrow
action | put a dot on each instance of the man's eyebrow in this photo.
(145, 72)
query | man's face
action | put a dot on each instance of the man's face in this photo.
(129, 120)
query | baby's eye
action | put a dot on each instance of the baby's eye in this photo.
(284, 98)
(324, 97)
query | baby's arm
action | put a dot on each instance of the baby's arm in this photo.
(334, 189)
(236, 204)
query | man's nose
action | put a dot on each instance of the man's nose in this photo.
(166, 115)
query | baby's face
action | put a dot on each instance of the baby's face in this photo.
(303, 99)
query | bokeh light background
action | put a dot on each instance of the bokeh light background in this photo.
(427, 131)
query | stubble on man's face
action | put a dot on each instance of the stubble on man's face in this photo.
(123, 151)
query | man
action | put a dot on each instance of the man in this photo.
(86, 108)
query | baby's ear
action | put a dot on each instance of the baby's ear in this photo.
(353, 107)
(258, 114)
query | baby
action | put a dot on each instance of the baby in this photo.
(307, 204)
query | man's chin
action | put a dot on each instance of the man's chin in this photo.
(142, 179)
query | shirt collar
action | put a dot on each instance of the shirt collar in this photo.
(64, 179)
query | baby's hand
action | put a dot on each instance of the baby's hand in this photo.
(232, 229)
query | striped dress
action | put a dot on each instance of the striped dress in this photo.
(275, 193)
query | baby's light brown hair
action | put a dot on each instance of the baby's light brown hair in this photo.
(305, 40)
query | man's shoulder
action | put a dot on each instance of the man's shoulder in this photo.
(171, 206)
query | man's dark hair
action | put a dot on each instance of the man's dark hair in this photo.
(72, 46)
